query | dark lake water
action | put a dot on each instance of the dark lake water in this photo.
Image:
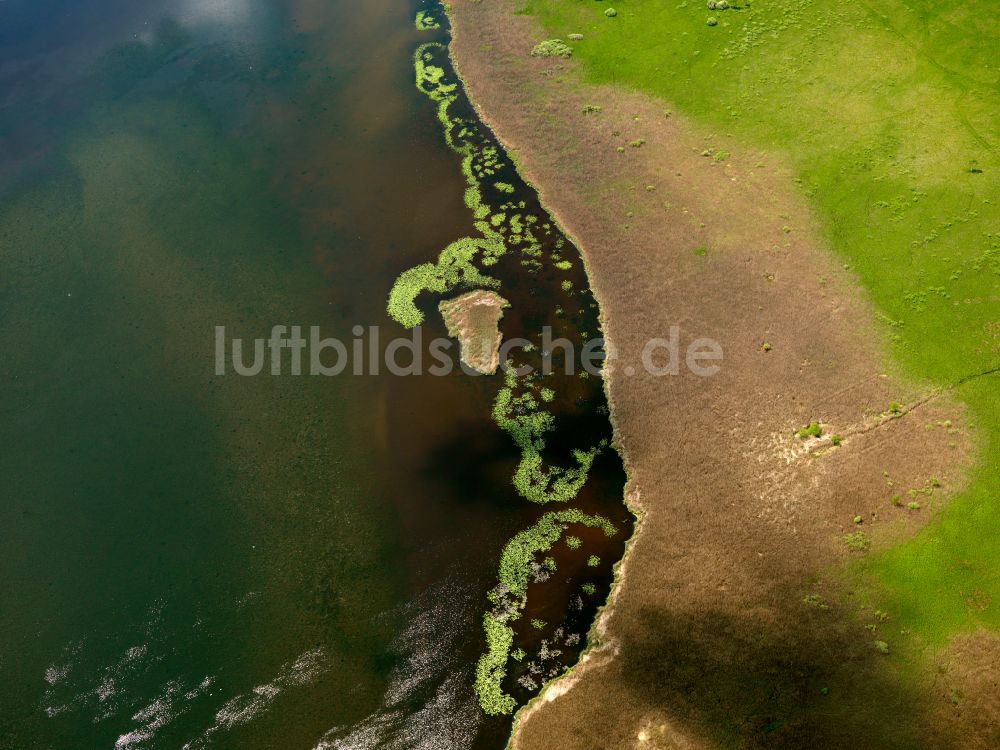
(195, 561)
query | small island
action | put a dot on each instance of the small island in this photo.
(474, 318)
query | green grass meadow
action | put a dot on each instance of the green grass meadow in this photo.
(889, 114)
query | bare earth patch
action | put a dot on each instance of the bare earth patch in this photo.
(968, 684)
(732, 623)
(474, 318)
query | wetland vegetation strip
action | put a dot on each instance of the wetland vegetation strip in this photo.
(552, 409)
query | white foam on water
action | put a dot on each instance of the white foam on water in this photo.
(246, 707)
(429, 703)
(163, 710)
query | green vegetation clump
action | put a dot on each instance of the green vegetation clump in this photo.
(812, 430)
(835, 440)
(504, 187)
(859, 541)
(515, 571)
(492, 667)
(589, 589)
(881, 646)
(454, 268)
(573, 542)
(455, 265)
(515, 562)
(520, 417)
(611, 12)
(815, 600)
(712, 21)
(593, 561)
(425, 21)
(591, 109)
(538, 624)
(552, 48)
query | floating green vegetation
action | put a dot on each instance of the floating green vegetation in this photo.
(573, 542)
(589, 589)
(454, 268)
(552, 48)
(492, 667)
(521, 418)
(593, 561)
(425, 21)
(518, 406)
(509, 598)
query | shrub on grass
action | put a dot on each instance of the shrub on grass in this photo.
(858, 541)
(552, 48)
(712, 21)
(611, 12)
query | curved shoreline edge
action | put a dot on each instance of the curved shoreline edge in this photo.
(597, 641)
